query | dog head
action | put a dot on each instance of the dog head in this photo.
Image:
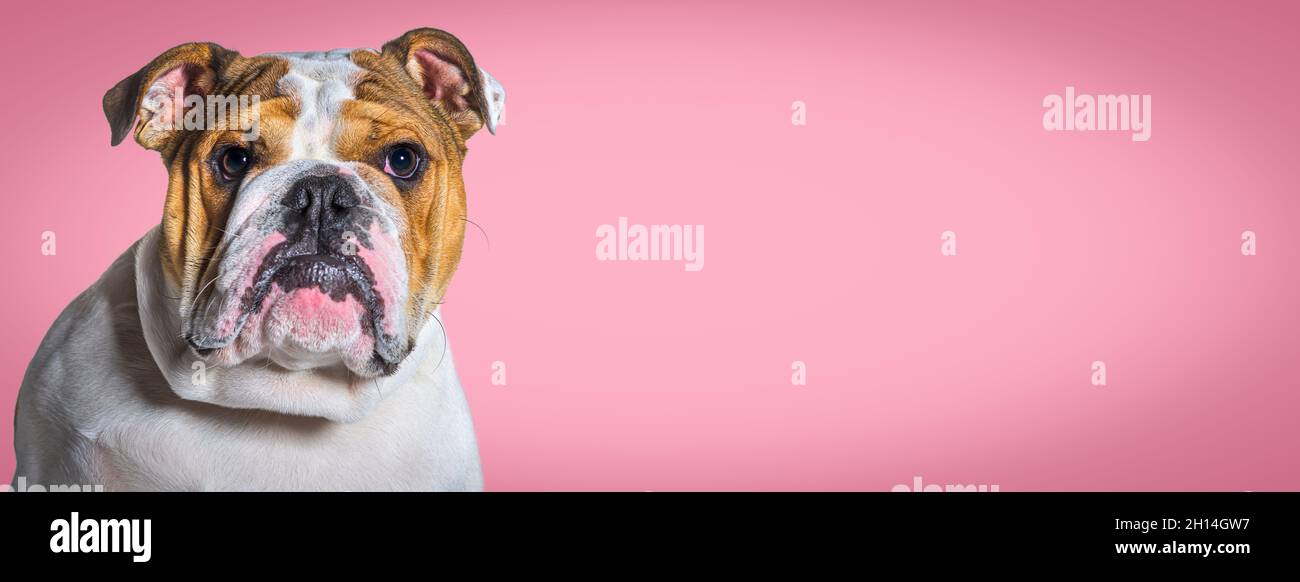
(315, 209)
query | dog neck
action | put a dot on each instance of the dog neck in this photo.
(333, 393)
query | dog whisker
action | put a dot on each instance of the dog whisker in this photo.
(480, 229)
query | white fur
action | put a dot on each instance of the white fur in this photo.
(100, 405)
(496, 101)
(320, 82)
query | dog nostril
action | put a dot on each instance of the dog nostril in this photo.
(297, 199)
(344, 198)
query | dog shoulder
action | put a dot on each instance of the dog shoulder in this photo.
(92, 349)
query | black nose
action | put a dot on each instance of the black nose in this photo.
(322, 205)
(320, 193)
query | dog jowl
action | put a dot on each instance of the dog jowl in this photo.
(327, 235)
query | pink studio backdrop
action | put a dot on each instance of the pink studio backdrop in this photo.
(822, 241)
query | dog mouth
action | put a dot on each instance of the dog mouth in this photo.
(324, 283)
(336, 276)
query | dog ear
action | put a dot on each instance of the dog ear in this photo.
(151, 93)
(445, 71)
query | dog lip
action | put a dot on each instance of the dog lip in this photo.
(300, 265)
(296, 267)
(313, 264)
(331, 274)
(314, 257)
(199, 350)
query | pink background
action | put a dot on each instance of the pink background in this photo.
(822, 242)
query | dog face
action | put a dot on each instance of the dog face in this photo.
(318, 220)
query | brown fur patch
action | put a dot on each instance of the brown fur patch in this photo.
(390, 108)
(196, 207)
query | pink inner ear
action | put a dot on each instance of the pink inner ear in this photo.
(443, 80)
(162, 94)
(170, 105)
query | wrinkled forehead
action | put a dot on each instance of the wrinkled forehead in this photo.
(318, 83)
(320, 77)
(310, 99)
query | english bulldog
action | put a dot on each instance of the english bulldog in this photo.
(279, 330)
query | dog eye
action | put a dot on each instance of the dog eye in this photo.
(234, 162)
(402, 162)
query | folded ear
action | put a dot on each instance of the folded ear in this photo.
(446, 72)
(156, 93)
